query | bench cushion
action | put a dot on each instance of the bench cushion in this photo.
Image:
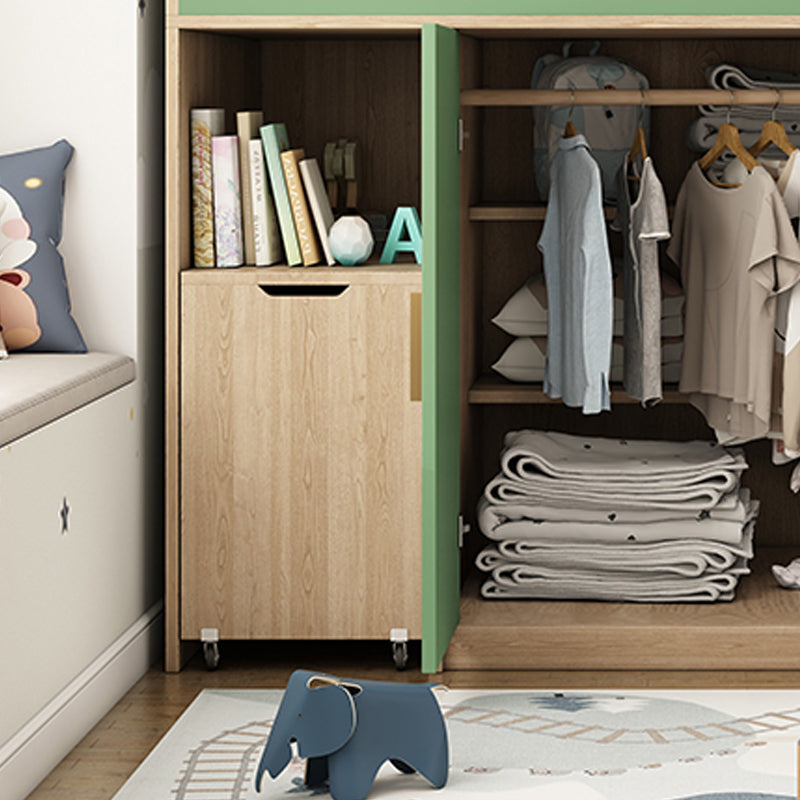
(36, 388)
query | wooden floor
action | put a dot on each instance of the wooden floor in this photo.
(101, 763)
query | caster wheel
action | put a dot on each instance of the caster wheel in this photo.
(400, 654)
(211, 654)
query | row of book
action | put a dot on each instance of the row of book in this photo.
(255, 200)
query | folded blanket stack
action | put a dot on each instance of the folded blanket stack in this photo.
(589, 518)
(702, 133)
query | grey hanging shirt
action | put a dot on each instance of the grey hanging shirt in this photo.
(577, 268)
(643, 223)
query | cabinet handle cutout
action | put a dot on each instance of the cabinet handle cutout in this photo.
(303, 290)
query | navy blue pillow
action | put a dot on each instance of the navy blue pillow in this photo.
(35, 309)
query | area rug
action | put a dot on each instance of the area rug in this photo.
(510, 745)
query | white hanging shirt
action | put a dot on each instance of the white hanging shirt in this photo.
(577, 267)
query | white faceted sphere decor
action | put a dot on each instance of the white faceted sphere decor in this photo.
(351, 241)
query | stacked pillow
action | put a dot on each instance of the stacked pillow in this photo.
(524, 316)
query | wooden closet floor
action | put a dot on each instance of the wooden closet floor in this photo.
(111, 751)
(758, 629)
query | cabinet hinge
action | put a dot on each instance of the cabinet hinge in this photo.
(463, 529)
(461, 134)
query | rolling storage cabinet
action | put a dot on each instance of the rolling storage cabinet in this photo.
(294, 394)
(300, 466)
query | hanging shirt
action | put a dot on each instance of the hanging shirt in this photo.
(643, 223)
(788, 322)
(736, 251)
(577, 268)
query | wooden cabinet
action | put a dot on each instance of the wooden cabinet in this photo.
(294, 427)
(438, 105)
(502, 217)
(300, 453)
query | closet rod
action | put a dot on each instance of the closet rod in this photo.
(629, 97)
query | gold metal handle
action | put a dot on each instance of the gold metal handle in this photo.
(416, 345)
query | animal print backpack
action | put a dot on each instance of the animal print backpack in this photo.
(608, 129)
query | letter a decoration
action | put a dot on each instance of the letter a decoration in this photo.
(405, 219)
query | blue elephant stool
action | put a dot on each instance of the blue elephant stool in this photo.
(348, 728)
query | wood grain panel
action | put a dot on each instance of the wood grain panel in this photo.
(758, 630)
(301, 463)
(363, 89)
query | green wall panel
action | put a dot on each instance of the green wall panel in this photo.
(482, 7)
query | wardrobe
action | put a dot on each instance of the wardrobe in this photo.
(466, 157)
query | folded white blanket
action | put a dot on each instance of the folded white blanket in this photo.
(518, 584)
(731, 76)
(528, 454)
(702, 132)
(610, 523)
(587, 494)
(518, 581)
(688, 557)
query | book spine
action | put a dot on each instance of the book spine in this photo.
(205, 123)
(319, 202)
(228, 239)
(302, 217)
(266, 236)
(248, 124)
(275, 140)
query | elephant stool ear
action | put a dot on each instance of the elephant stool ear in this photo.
(334, 712)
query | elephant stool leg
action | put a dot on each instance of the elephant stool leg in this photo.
(401, 766)
(316, 771)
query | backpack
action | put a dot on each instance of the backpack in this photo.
(609, 130)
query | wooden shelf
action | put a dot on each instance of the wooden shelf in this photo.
(489, 389)
(760, 629)
(506, 212)
(365, 273)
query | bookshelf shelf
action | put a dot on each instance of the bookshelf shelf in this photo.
(496, 390)
(366, 273)
(530, 212)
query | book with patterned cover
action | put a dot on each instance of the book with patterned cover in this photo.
(205, 123)
(303, 223)
(275, 140)
(266, 235)
(228, 238)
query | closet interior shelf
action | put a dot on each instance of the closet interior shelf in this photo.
(507, 212)
(629, 97)
(488, 389)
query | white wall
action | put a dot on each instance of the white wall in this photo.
(90, 72)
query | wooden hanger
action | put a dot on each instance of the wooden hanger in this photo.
(569, 128)
(728, 137)
(638, 149)
(773, 132)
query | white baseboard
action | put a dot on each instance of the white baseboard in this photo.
(32, 753)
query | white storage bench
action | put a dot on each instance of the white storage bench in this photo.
(37, 388)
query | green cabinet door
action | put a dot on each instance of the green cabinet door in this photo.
(440, 341)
